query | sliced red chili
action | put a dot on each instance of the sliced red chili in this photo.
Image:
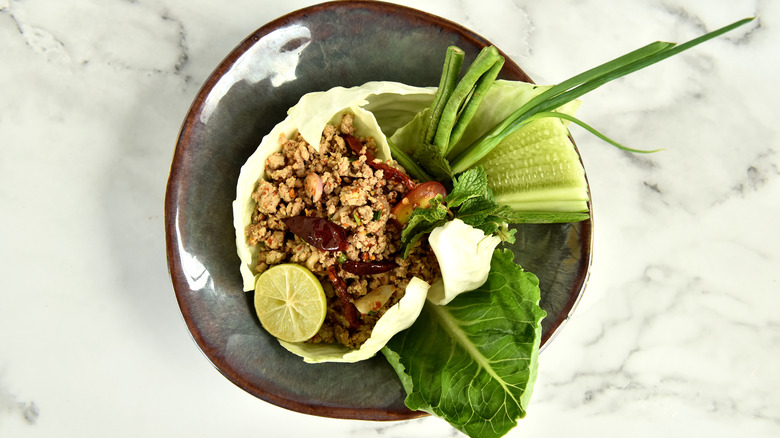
(368, 268)
(318, 232)
(350, 311)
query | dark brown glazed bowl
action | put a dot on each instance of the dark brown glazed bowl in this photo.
(313, 49)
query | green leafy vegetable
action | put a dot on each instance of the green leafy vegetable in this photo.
(477, 205)
(421, 222)
(468, 185)
(489, 217)
(474, 361)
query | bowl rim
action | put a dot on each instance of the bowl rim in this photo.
(173, 188)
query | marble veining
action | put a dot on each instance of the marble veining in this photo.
(678, 333)
(123, 39)
(14, 410)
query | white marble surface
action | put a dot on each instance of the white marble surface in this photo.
(678, 333)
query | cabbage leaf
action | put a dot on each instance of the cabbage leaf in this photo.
(464, 255)
(397, 318)
(474, 361)
(377, 107)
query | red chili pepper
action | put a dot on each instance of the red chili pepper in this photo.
(350, 311)
(356, 146)
(318, 232)
(390, 173)
(393, 174)
(368, 268)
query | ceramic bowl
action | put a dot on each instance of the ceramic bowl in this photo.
(313, 49)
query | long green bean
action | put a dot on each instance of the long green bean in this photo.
(577, 86)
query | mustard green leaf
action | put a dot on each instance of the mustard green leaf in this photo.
(474, 361)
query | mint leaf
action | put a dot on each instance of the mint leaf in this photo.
(476, 205)
(421, 222)
(475, 210)
(506, 234)
(468, 185)
(473, 202)
(474, 361)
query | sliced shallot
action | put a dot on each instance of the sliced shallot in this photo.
(313, 185)
(374, 300)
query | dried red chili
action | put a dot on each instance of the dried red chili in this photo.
(356, 146)
(390, 173)
(368, 268)
(341, 290)
(393, 174)
(318, 232)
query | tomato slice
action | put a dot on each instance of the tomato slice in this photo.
(417, 198)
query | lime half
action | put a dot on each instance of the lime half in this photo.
(290, 302)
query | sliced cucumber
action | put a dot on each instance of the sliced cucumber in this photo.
(537, 169)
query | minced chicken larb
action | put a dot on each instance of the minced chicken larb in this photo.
(330, 181)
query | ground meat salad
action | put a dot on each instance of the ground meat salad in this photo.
(339, 189)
